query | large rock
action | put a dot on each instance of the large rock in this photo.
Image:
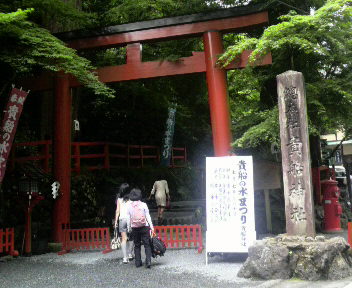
(267, 263)
(340, 268)
(306, 258)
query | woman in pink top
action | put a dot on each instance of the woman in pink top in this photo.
(141, 224)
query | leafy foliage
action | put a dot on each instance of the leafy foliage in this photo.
(58, 15)
(115, 12)
(316, 45)
(9, 18)
(27, 48)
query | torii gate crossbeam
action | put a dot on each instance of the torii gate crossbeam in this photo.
(210, 26)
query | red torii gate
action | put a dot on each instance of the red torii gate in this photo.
(210, 26)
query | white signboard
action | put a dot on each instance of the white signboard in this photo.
(230, 204)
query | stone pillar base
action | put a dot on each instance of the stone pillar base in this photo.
(306, 258)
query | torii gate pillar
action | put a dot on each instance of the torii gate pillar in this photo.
(217, 90)
(62, 155)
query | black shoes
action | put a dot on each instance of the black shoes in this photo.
(139, 264)
(147, 264)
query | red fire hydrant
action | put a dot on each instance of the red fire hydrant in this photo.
(332, 207)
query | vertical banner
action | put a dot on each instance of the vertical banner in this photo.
(9, 125)
(229, 204)
(168, 139)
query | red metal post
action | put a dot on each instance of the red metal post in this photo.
(332, 207)
(62, 154)
(217, 90)
(35, 199)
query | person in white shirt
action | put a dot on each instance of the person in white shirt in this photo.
(141, 224)
(121, 219)
(162, 194)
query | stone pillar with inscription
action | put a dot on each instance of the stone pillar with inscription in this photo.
(296, 166)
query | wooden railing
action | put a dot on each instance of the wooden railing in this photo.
(86, 239)
(7, 241)
(95, 155)
(181, 236)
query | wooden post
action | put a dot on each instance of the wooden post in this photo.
(62, 154)
(295, 154)
(217, 90)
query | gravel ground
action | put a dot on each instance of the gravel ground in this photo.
(178, 268)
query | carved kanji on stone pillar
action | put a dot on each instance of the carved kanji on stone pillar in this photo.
(295, 154)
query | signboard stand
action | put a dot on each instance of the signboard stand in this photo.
(229, 204)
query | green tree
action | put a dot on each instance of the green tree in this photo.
(27, 49)
(113, 12)
(319, 46)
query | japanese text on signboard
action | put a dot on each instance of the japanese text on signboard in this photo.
(169, 133)
(230, 199)
(9, 125)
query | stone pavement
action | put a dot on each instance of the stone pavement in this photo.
(178, 268)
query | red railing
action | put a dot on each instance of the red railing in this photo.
(181, 236)
(178, 155)
(96, 155)
(86, 239)
(7, 241)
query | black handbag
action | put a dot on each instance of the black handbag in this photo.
(157, 246)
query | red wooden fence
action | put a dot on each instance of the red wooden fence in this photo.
(181, 236)
(7, 241)
(88, 238)
(95, 155)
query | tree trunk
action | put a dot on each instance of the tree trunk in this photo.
(315, 153)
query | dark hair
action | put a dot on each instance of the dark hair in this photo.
(123, 192)
(135, 194)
